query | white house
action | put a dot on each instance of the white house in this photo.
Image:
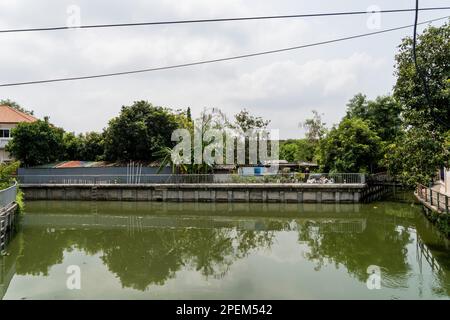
(9, 118)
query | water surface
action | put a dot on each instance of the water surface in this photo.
(129, 250)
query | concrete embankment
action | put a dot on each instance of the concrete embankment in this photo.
(258, 192)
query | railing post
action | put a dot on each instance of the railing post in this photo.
(446, 204)
(438, 204)
(431, 196)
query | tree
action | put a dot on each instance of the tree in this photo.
(289, 152)
(72, 146)
(306, 150)
(36, 143)
(92, 146)
(350, 147)
(245, 121)
(7, 171)
(15, 105)
(425, 94)
(315, 127)
(425, 98)
(188, 114)
(415, 156)
(298, 150)
(139, 131)
(382, 114)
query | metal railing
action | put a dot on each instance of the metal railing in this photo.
(434, 198)
(8, 196)
(312, 178)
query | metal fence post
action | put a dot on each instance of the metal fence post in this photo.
(438, 204)
(446, 204)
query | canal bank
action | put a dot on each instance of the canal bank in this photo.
(204, 192)
(436, 207)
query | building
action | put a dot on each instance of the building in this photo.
(444, 180)
(9, 118)
(275, 167)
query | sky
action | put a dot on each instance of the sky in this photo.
(283, 88)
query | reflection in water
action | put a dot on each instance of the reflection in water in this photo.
(228, 250)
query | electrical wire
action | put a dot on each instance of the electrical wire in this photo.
(217, 20)
(216, 60)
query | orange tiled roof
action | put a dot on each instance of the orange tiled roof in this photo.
(10, 115)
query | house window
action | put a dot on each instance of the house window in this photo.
(4, 133)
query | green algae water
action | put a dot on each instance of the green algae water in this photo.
(140, 250)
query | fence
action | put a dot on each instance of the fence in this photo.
(314, 178)
(434, 198)
(8, 196)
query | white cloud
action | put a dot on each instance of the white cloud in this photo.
(282, 87)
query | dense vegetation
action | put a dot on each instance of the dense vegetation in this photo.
(406, 134)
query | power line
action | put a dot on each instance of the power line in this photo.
(218, 20)
(216, 60)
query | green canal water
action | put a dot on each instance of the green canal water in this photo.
(126, 250)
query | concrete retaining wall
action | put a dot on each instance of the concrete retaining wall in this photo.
(290, 193)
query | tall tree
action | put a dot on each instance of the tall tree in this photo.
(139, 131)
(92, 146)
(350, 147)
(425, 93)
(188, 114)
(36, 143)
(245, 121)
(72, 146)
(382, 114)
(315, 127)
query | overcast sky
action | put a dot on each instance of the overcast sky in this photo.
(282, 87)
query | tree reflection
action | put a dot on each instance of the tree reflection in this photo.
(149, 257)
(380, 244)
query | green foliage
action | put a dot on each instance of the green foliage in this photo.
(20, 201)
(36, 143)
(350, 147)
(382, 114)
(415, 156)
(92, 146)
(294, 150)
(72, 146)
(246, 122)
(139, 131)
(289, 152)
(7, 173)
(315, 127)
(15, 105)
(188, 114)
(433, 56)
(87, 147)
